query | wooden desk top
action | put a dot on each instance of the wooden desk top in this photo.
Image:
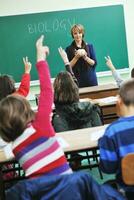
(107, 101)
(100, 91)
(98, 88)
(81, 139)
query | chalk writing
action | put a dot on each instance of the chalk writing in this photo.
(53, 26)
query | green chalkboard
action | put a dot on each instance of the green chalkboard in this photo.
(104, 28)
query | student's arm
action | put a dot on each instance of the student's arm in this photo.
(117, 78)
(25, 81)
(96, 116)
(69, 69)
(64, 57)
(42, 120)
(115, 74)
(59, 123)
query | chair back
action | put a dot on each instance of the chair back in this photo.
(10, 173)
(127, 166)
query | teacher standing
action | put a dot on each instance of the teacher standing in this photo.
(82, 58)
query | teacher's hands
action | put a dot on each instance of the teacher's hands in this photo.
(80, 53)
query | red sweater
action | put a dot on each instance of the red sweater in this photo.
(37, 149)
(24, 87)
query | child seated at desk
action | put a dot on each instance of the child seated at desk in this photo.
(33, 139)
(118, 139)
(7, 87)
(7, 84)
(70, 113)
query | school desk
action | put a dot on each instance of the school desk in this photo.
(100, 91)
(108, 108)
(95, 92)
(83, 141)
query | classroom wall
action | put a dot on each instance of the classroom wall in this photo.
(15, 7)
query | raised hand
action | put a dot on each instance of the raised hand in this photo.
(42, 51)
(27, 65)
(63, 55)
(109, 62)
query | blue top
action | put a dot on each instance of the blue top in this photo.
(85, 74)
(117, 78)
(77, 186)
(117, 141)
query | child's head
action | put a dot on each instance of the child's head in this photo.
(126, 92)
(7, 86)
(15, 115)
(126, 97)
(65, 89)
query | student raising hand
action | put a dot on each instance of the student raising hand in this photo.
(42, 51)
(32, 134)
(63, 55)
(109, 63)
(115, 73)
(27, 65)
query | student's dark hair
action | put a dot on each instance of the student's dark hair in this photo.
(126, 92)
(65, 89)
(132, 73)
(15, 114)
(7, 86)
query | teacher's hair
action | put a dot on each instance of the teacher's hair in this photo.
(79, 28)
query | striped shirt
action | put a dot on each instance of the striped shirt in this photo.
(39, 155)
(117, 141)
(37, 149)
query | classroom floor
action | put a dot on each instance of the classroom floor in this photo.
(95, 173)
